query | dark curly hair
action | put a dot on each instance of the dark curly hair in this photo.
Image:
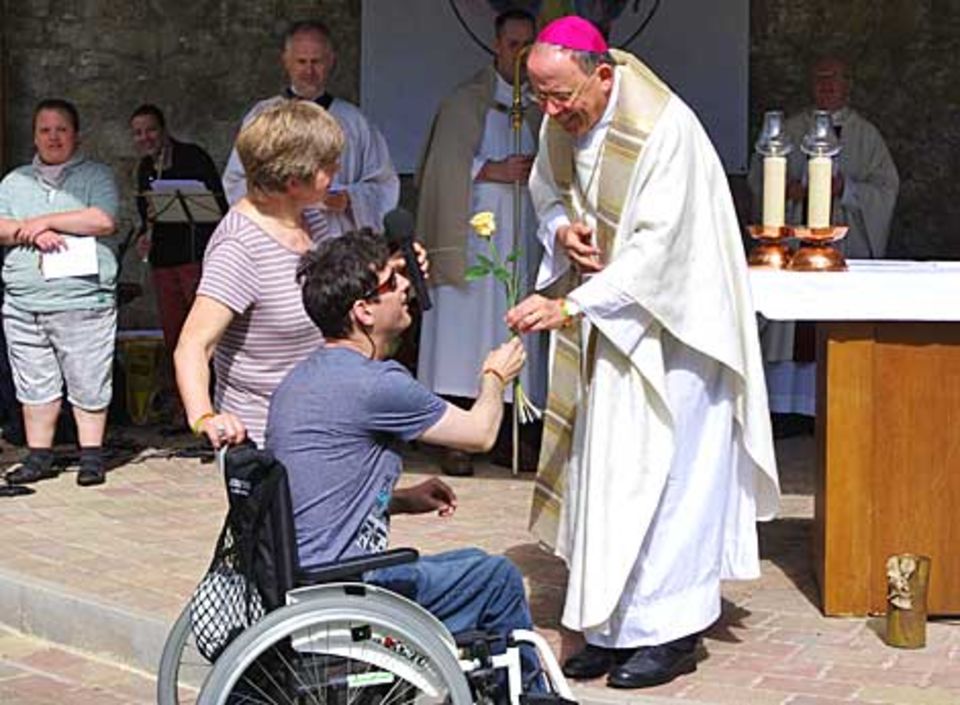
(338, 273)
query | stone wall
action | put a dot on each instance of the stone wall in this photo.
(904, 55)
(205, 61)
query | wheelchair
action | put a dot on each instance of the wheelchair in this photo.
(324, 636)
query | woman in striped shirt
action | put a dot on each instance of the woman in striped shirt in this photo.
(248, 313)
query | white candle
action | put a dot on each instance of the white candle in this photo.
(819, 177)
(774, 189)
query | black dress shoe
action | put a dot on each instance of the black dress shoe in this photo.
(594, 661)
(29, 472)
(656, 665)
(90, 475)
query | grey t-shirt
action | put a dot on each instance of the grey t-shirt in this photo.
(336, 422)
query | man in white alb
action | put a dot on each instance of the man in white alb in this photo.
(657, 457)
(366, 186)
(469, 165)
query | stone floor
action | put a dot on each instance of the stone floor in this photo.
(103, 571)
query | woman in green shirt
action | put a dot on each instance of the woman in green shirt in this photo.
(59, 310)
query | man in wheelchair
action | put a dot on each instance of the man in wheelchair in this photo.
(336, 423)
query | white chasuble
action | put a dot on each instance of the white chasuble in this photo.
(672, 459)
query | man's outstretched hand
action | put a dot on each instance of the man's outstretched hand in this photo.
(430, 495)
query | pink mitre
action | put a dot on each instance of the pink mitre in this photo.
(573, 32)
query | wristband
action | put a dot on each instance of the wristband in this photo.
(195, 426)
(490, 370)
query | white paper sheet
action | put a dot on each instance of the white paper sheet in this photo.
(78, 258)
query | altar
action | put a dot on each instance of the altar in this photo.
(887, 422)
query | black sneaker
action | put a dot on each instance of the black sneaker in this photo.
(89, 475)
(30, 472)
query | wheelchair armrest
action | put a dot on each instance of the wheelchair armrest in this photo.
(354, 568)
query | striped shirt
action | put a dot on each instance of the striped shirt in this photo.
(254, 276)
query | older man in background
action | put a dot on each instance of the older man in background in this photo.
(366, 186)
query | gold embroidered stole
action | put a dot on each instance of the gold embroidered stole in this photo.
(641, 100)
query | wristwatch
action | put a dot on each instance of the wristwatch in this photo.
(570, 310)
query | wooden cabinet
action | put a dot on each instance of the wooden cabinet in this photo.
(888, 465)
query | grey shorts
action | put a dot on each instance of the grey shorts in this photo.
(73, 347)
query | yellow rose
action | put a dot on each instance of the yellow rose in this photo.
(484, 224)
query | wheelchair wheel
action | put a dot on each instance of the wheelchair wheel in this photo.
(182, 668)
(344, 645)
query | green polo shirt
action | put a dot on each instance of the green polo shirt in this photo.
(85, 184)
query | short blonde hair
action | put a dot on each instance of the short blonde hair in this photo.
(292, 140)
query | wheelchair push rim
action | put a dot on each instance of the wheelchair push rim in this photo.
(342, 648)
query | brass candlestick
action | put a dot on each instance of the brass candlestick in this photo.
(816, 252)
(771, 250)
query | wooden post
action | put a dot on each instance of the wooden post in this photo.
(907, 579)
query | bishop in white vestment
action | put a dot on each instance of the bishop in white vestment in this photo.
(657, 457)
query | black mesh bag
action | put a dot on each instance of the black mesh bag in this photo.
(254, 561)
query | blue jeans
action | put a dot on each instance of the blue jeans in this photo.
(467, 589)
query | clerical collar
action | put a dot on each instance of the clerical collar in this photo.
(325, 100)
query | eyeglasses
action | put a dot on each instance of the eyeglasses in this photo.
(562, 99)
(386, 286)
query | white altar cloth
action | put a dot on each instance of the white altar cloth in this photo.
(870, 290)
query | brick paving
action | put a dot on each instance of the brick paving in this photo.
(35, 672)
(129, 553)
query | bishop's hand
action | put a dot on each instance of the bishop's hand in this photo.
(536, 313)
(576, 240)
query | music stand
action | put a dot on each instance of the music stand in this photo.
(182, 201)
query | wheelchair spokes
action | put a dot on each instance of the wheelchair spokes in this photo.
(347, 661)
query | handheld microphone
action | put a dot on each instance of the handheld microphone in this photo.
(398, 226)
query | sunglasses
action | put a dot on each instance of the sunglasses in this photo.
(386, 286)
